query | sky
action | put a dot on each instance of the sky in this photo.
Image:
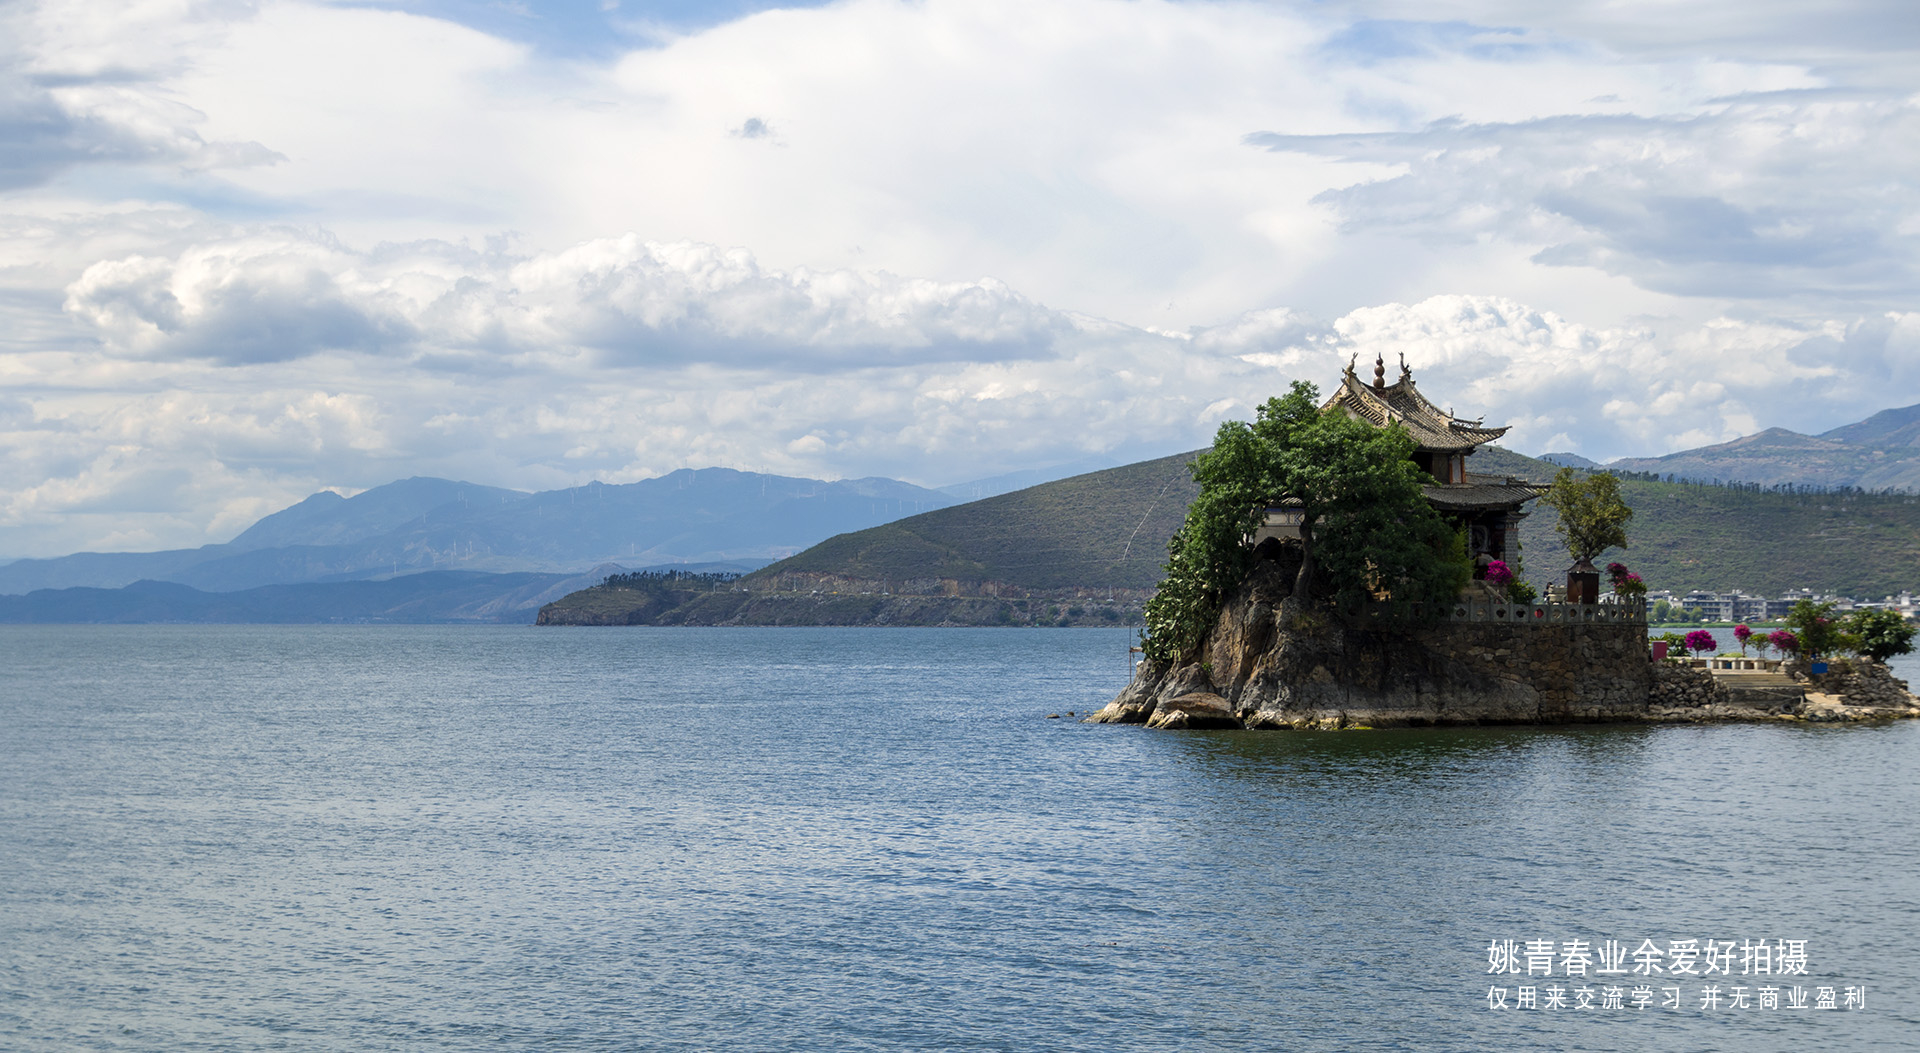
(251, 250)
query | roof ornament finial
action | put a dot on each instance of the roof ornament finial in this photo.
(1351, 361)
(1379, 372)
(1405, 373)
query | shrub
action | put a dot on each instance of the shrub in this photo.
(1625, 582)
(1819, 633)
(1880, 634)
(1700, 641)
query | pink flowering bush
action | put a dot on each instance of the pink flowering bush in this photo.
(1499, 574)
(1701, 641)
(1783, 641)
(1625, 582)
(1742, 634)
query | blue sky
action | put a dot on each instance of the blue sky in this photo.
(256, 248)
(587, 29)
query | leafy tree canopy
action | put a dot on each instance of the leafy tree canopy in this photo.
(1819, 632)
(1880, 634)
(1593, 516)
(1366, 527)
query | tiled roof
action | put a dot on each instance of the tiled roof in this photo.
(1481, 492)
(1401, 403)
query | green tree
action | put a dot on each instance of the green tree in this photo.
(1880, 634)
(1366, 527)
(1593, 516)
(1662, 612)
(1820, 633)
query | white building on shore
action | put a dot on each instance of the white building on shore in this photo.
(1745, 607)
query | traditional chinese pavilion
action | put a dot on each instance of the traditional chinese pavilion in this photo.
(1489, 507)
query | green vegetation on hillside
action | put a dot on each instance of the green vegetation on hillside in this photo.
(1765, 540)
(639, 598)
(1109, 530)
(1106, 529)
(1590, 517)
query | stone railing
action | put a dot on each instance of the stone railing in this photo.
(1505, 613)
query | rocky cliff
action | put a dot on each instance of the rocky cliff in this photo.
(1268, 663)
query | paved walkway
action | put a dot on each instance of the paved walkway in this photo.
(1757, 686)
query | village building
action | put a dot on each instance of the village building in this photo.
(1487, 507)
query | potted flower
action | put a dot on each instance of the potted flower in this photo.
(1819, 635)
(1627, 586)
(1592, 519)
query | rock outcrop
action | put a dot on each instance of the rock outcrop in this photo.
(1854, 689)
(1271, 664)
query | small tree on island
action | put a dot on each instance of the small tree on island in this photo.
(1365, 529)
(1784, 642)
(1743, 635)
(1819, 633)
(1880, 634)
(1593, 516)
(1700, 641)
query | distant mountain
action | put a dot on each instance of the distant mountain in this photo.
(1079, 551)
(439, 596)
(1569, 460)
(435, 596)
(1881, 452)
(705, 515)
(1894, 427)
(995, 485)
(1105, 529)
(326, 518)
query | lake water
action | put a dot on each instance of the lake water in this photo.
(452, 838)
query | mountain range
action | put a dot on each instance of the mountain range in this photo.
(1088, 551)
(1879, 453)
(714, 515)
(463, 552)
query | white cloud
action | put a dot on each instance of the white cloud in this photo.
(1800, 196)
(248, 250)
(279, 295)
(621, 360)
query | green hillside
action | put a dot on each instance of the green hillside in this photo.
(1106, 529)
(1696, 536)
(1045, 554)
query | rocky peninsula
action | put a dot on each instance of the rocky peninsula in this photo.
(1268, 662)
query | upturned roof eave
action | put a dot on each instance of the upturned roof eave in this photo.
(1433, 430)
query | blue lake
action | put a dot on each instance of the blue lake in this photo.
(360, 838)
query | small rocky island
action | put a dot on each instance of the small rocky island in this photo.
(1330, 606)
(1270, 664)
